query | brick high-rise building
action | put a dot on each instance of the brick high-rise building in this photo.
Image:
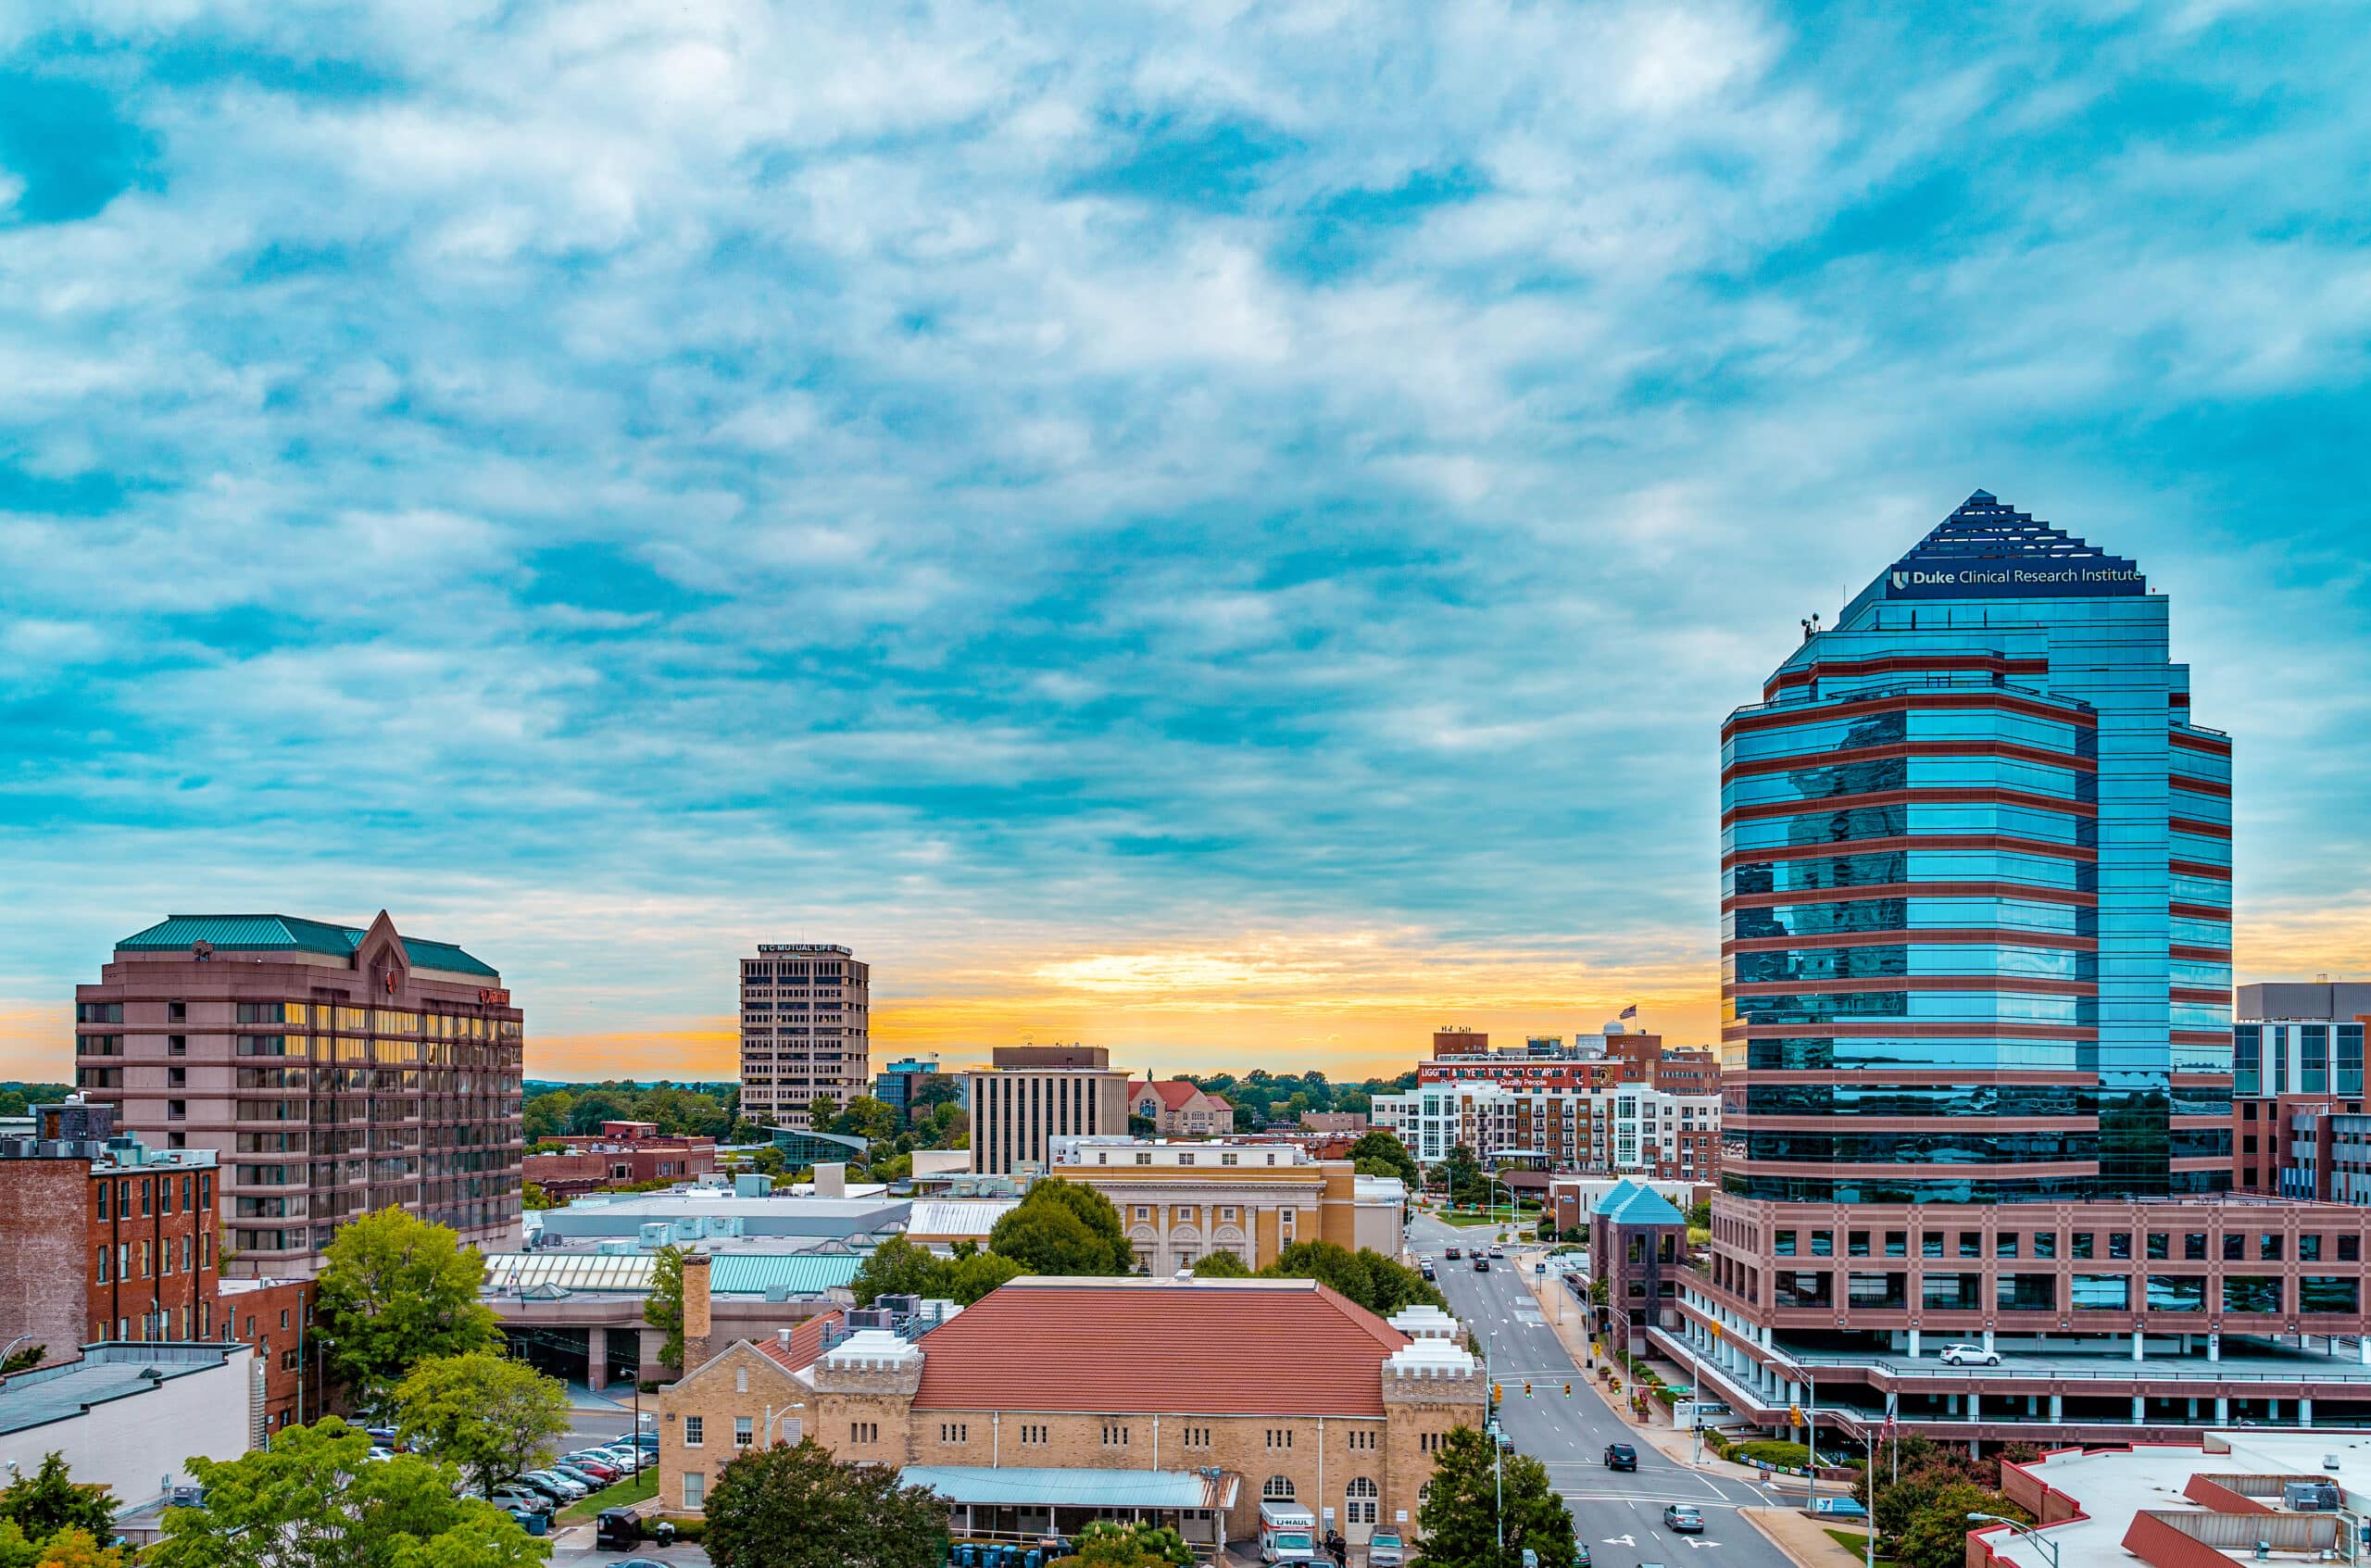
(806, 1031)
(331, 1070)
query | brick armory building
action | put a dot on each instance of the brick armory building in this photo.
(1221, 1392)
(331, 1070)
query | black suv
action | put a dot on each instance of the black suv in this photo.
(1621, 1456)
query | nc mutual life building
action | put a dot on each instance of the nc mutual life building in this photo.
(1975, 904)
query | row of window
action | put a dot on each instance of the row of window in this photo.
(2086, 1293)
(2195, 1245)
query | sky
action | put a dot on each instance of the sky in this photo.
(1223, 531)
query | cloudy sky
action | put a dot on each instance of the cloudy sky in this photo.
(1224, 530)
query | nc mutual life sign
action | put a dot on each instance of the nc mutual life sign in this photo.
(2010, 580)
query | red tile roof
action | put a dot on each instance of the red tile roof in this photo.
(1174, 1092)
(1201, 1347)
(805, 1342)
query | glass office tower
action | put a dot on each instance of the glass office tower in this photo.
(1976, 887)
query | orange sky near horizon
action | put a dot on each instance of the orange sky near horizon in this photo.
(1351, 1004)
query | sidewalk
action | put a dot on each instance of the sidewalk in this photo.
(1572, 1332)
(1804, 1540)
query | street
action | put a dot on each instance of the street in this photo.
(1617, 1515)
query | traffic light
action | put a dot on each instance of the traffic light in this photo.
(1495, 1395)
(1794, 1415)
(1526, 1388)
(1568, 1390)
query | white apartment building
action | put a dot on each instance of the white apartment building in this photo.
(1624, 1129)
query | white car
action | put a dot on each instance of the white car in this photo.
(1970, 1354)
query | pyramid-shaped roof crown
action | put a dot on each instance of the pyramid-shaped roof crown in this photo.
(1988, 549)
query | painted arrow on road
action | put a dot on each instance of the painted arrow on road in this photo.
(1621, 1540)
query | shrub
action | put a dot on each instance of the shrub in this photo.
(1783, 1455)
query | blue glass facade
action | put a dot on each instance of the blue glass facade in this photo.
(1975, 891)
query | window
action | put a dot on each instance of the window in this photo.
(2268, 1247)
(692, 1424)
(2194, 1247)
(694, 1488)
(740, 1374)
(2119, 1244)
(1897, 1244)
(1277, 1488)
(2159, 1244)
(1360, 1500)
(1144, 1211)
(2045, 1244)
(1971, 1243)
(864, 1432)
(1184, 1159)
(2005, 1245)
(1430, 1442)
(2350, 1249)
(1181, 1214)
(2101, 1293)
(1823, 1244)
(954, 1431)
(1226, 1216)
(2235, 1247)
(1280, 1438)
(1229, 1159)
(1032, 1436)
(1785, 1247)
(1197, 1436)
(1857, 1243)
(744, 1431)
(1930, 1243)
(1362, 1439)
(1115, 1437)
(2082, 1243)
(2309, 1248)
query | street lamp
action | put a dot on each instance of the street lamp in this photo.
(2049, 1547)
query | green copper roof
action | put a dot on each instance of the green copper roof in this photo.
(290, 934)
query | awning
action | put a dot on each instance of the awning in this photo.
(1023, 1486)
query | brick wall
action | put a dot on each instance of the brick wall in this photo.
(273, 1316)
(44, 1254)
(740, 1382)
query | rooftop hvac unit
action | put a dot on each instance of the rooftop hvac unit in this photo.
(777, 1292)
(655, 1233)
(900, 1306)
(687, 1228)
(2310, 1496)
(868, 1317)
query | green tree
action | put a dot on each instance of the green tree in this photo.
(968, 1278)
(771, 1161)
(1936, 1536)
(1461, 1512)
(396, 1290)
(1464, 1174)
(943, 1126)
(547, 1115)
(663, 1310)
(1104, 1543)
(929, 1089)
(1063, 1228)
(821, 1111)
(899, 1267)
(1220, 1265)
(590, 1108)
(50, 1500)
(787, 1507)
(533, 1197)
(1379, 1283)
(1700, 1215)
(868, 1118)
(316, 1496)
(25, 1359)
(76, 1548)
(488, 1416)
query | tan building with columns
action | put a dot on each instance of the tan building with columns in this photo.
(1220, 1392)
(1180, 1202)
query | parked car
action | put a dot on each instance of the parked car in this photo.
(566, 1487)
(1581, 1554)
(1684, 1519)
(625, 1461)
(547, 1493)
(606, 1469)
(382, 1435)
(585, 1478)
(1621, 1456)
(520, 1499)
(1970, 1354)
(1425, 1268)
(1384, 1549)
